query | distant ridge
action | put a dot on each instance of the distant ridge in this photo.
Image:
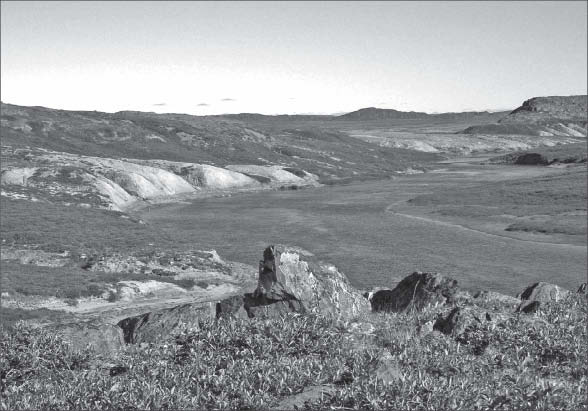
(539, 109)
(258, 117)
(373, 113)
(542, 116)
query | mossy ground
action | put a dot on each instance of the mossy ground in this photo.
(527, 362)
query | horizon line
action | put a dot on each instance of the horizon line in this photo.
(330, 114)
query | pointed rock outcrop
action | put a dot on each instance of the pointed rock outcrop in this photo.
(291, 281)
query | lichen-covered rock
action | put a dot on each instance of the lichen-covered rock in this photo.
(100, 337)
(417, 291)
(158, 325)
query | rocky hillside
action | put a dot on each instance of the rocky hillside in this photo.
(220, 141)
(542, 116)
(87, 181)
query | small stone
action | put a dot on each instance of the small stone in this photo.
(346, 377)
(426, 327)
(307, 396)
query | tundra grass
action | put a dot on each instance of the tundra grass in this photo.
(553, 204)
(56, 228)
(67, 282)
(531, 362)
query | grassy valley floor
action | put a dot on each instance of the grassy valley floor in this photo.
(361, 228)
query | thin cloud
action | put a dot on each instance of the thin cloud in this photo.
(160, 104)
(203, 105)
(228, 99)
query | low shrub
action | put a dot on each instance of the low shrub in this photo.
(524, 362)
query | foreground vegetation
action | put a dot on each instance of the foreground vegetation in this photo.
(524, 362)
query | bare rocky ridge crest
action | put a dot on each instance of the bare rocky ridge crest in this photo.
(542, 116)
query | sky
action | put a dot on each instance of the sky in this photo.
(290, 57)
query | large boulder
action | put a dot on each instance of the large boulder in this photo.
(158, 325)
(531, 159)
(291, 281)
(417, 291)
(544, 292)
(459, 319)
(534, 296)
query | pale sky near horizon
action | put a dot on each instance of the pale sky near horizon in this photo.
(290, 57)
